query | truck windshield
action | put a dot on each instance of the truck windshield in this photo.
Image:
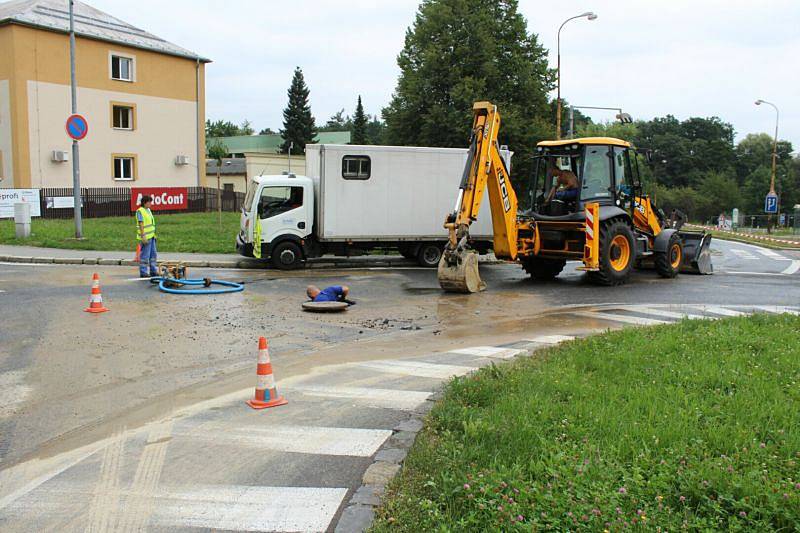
(248, 199)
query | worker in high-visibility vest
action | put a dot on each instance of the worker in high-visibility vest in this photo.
(146, 235)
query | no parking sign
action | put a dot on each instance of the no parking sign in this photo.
(77, 127)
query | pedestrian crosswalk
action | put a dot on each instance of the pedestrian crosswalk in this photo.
(226, 467)
(651, 315)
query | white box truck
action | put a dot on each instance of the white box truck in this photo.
(356, 199)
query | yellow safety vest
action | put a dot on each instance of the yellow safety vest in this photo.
(148, 224)
(257, 238)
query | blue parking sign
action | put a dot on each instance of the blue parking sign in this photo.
(771, 203)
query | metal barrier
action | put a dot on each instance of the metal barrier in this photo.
(115, 201)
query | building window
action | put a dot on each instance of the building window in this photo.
(124, 167)
(356, 167)
(123, 116)
(121, 68)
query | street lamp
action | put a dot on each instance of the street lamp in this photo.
(624, 118)
(589, 15)
(774, 144)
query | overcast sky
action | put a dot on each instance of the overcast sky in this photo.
(684, 57)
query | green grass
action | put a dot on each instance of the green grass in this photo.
(189, 232)
(688, 426)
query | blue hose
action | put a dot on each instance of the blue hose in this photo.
(229, 286)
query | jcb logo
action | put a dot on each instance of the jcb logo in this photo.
(504, 191)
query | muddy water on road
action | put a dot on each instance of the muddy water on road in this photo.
(153, 353)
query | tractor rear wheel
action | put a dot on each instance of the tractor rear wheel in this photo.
(543, 269)
(668, 263)
(617, 253)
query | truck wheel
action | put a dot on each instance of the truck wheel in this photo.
(543, 269)
(286, 256)
(429, 255)
(668, 263)
(617, 254)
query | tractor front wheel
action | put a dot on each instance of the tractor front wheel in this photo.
(668, 263)
(617, 253)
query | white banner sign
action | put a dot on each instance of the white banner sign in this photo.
(9, 197)
(60, 202)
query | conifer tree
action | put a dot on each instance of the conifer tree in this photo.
(298, 123)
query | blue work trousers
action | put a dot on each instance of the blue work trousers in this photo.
(148, 257)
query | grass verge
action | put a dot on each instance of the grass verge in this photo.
(743, 237)
(687, 426)
(188, 232)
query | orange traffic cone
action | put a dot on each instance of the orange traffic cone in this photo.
(266, 393)
(96, 299)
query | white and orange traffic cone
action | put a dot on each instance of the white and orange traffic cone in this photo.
(96, 298)
(266, 393)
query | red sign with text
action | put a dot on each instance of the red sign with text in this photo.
(164, 198)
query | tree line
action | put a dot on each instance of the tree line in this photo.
(457, 52)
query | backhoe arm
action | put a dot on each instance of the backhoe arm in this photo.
(485, 168)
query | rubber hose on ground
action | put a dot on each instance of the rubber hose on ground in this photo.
(228, 286)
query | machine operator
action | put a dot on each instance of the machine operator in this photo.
(566, 186)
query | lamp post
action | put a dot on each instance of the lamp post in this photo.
(774, 143)
(774, 156)
(589, 15)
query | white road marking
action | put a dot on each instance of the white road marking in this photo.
(488, 351)
(105, 502)
(717, 310)
(751, 273)
(791, 269)
(661, 312)
(247, 508)
(22, 479)
(551, 339)
(416, 368)
(639, 321)
(139, 505)
(351, 442)
(207, 507)
(138, 279)
(388, 398)
(1, 290)
(744, 254)
(772, 255)
(778, 309)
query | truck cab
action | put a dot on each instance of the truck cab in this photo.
(277, 219)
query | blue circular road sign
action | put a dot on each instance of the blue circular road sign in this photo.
(77, 127)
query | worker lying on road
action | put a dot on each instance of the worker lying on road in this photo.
(566, 186)
(335, 293)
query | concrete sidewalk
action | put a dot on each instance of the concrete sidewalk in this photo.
(31, 254)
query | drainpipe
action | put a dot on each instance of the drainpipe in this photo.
(201, 160)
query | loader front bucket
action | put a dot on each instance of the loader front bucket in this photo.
(696, 252)
(458, 272)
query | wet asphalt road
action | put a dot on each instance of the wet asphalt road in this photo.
(67, 376)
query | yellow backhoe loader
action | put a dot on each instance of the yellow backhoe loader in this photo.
(586, 204)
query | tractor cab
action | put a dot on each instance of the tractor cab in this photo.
(570, 173)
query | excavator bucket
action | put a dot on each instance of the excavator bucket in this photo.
(458, 272)
(696, 252)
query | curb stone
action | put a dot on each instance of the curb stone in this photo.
(43, 260)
